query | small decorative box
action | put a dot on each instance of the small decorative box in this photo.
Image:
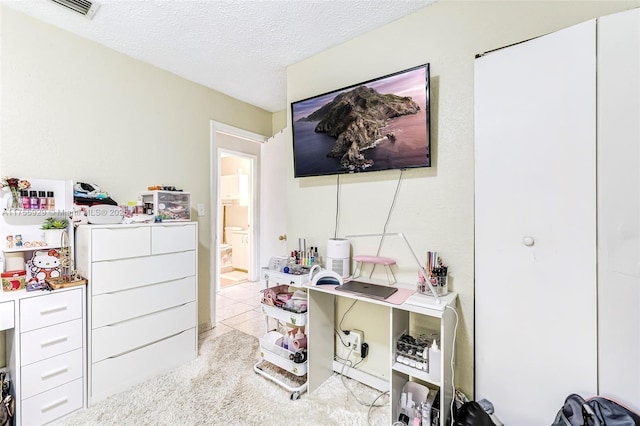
(13, 280)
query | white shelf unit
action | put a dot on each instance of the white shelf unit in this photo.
(28, 222)
(45, 347)
(269, 350)
(142, 301)
(416, 314)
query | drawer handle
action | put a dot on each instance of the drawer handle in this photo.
(53, 310)
(55, 404)
(54, 373)
(54, 341)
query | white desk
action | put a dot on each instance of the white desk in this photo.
(406, 317)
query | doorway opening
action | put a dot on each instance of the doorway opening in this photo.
(235, 170)
(234, 218)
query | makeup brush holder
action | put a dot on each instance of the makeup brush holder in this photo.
(439, 283)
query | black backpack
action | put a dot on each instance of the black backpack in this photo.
(596, 411)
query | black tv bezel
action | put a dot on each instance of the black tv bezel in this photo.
(428, 163)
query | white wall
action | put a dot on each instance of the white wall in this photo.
(435, 206)
(73, 109)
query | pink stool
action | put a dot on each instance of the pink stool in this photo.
(387, 262)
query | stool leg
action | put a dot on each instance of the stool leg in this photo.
(357, 270)
(395, 280)
(372, 269)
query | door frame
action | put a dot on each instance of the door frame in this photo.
(254, 213)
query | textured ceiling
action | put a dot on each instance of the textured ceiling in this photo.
(240, 47)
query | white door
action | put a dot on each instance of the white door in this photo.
(619, 207)
(535, 225)
(273, 200)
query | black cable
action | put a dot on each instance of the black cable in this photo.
(393, 203)
(335, 231)
(344, 315)
(340, 337)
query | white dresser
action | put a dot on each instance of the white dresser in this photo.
(142, 305)
(46, 353)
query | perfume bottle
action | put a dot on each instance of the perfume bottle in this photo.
(25, 202)
(33, 200)
(42, 200)
(51, 201)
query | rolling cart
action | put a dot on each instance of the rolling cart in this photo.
(271, 348)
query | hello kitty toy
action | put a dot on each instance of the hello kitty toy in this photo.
(45, 264)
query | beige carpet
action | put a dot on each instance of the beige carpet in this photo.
(221, 388)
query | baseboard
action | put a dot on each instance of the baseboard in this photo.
(204, 327)
(363, 377)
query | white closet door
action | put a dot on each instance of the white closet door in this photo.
(535, 226)
(619, 206)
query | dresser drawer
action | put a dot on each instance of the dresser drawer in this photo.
(53, 404)
(116, 275)
(46, 342)
(117, 374)
(114, 340)
(49, 373)
(50, 309)
(7, 318)
(109, 308)
(120, 243)
(170, 239)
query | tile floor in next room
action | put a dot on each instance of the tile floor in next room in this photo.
(238, 307)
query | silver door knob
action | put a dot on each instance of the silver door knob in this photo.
(528, 241)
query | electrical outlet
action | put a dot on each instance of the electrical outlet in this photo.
(354, 340)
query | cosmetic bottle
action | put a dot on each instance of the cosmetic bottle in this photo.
(33, 200)
(291, 339)
(24, 199)
(51, 201)
(434, 361)
(42, 200)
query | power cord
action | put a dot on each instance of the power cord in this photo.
(453, 356)
(372, 405)
(340, 337)
(344, 383)
(342, 319)
(393, 203)
(335, 229)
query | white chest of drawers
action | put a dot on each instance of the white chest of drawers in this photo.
(46, 354)
(142, 307)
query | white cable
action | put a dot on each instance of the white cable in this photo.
(453, 353)
(342, 377)
(372, 405)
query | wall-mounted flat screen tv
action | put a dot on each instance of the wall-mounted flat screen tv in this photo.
(380, 124)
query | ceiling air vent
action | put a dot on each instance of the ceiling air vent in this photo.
(83, 7)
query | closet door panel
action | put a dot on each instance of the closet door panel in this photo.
(535, 293)
(619, 206)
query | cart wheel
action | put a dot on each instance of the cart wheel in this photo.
(295, 395)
